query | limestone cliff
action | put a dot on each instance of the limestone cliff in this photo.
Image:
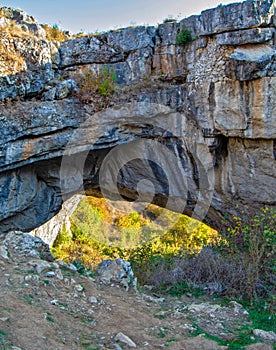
(192, 127)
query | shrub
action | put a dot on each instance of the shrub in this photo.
(87, 220)
(107, 81)
(63, 237)
(132, 219)
(99, 84)
(54, 33)
(240, 265)
(183, 37)
(251, 240)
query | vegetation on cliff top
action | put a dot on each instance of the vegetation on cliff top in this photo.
(54, 33)
(183, 37)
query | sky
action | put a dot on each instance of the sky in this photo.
(102, 15)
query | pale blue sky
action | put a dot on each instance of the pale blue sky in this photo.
(93, 15)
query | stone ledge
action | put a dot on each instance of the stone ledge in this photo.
(248, 36)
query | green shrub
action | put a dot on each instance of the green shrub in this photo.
(63, 237)
(131, 220)
(251, 240)
(107, 81)
(93, 85)
(241, 264)
(183, 37)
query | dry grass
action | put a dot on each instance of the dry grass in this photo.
(53, 33)
(209, 270)
(10, 61)
(12, 30)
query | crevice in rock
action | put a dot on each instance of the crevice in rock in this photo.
(221, 149)
(49, 133)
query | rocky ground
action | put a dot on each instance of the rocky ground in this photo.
(47, 304)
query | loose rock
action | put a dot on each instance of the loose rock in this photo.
(269, 336)
(116, 271)
(125, 339)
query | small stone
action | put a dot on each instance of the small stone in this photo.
(62, 263)
(4, 319)
(117, 347)
(28, 278)
(59, 274)
(238, 308)
(125, 339)
(50, 274)
(153, 299)
(4, 253)
(50, 94)
(269, 336)
(54, 302)
(40, 265)
(93, 300)
(79, 288)
(72, 267)
(148, 287)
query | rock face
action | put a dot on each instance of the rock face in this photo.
(190, 128)
(24, 245)
(49, 231)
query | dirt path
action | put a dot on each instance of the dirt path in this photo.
(48, 306)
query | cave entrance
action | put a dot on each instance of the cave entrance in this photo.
(101, 229)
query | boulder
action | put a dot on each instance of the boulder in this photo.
(116, 271)
(22, 246)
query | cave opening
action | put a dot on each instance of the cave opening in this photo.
(100, 229)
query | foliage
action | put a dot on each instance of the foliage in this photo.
(99, 84)
(83, 250)
(54, 33)
(238, 263)
(242, 265)
(98, 233)
(108, 79)
(87, 219)
(132, 219)
(63, 237)
(183, 37)
(177, 260)
(251, 241)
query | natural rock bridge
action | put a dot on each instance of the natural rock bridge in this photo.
(192, 128)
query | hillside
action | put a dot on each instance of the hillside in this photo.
(49, 305)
